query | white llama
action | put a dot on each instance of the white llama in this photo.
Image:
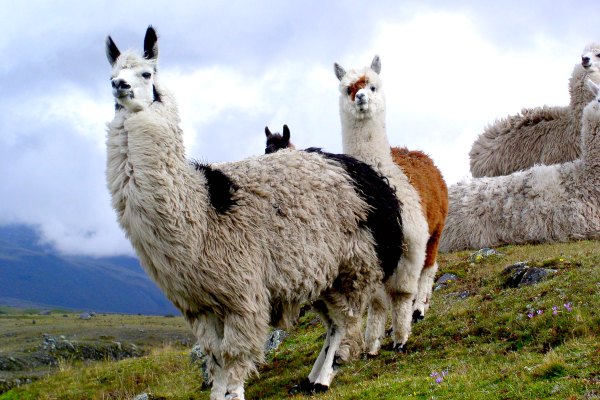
(546, 203)
(238, 246)
(420, 187)
(542, 135)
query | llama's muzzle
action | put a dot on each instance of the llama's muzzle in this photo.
(121, 88)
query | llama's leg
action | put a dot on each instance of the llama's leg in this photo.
(376, 318)
(330, 364)
(401, 319)
(242, 348)
(209, 332)
(430, 268)
(321, 309)
(402, 288)
(424, 293)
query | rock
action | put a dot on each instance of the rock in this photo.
(444, 280)
(483, 254)
(142, 396)
(275, 339)
(85, 316)
(520, 274)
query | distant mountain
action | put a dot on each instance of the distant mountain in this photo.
(36, 275)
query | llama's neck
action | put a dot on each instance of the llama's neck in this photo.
(590, 139)
(150, 180)
(580, 95)
(366, 139)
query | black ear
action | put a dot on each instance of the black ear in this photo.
(286, 132)
(267, 131)
(112, 52)
(150, 44)
(339, 71)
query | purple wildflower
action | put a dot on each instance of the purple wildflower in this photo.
(439, 379)
(568, 306)
(554, 310)
(530, 315)
(540, 312)
(434, 374)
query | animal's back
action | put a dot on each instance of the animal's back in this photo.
(535, 136)
(427, 179)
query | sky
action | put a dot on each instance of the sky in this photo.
(449, 68)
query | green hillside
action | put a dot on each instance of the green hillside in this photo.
(480, 340)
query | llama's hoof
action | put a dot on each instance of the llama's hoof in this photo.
(399, 348)
(307, 387)
(232, 396)
(417, 316)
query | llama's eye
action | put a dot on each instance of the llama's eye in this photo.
(349, 91)
(373, 88)
(598, 55)
(146, 75)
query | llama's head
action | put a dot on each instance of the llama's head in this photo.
(361, 94)
(277, 141)
(133, 76)
(590, 57)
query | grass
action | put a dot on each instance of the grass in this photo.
(478, 337)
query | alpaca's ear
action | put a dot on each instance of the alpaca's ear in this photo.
(150, 44)
(267, 131)
(339, 71)
(286, 132)
(112, 52)
(376, 65)
(593, 87)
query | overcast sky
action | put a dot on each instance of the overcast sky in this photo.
(448, 68)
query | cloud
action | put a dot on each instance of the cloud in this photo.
(448, 71)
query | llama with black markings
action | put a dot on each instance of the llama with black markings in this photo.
(240, 246)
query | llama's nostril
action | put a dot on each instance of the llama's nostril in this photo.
(585, 60)
(120, 84)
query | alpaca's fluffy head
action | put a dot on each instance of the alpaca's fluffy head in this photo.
(277, 141)
(590, 57)
(133, 76)
(361, 94)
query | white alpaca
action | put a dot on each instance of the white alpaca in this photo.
(542, 204)
(542, 135)
(239, 246)
(362, 114)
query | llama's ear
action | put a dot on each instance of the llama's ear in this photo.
(592, 86)
(286, 132)
(150, 44)
(376, 64)
(112, 52)
(267, 131)
(339, 71)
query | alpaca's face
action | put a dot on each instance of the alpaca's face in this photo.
(590, 58)
(361, 93)
(132, 82)
(133, 76)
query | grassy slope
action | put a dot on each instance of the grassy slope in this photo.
(485, 343)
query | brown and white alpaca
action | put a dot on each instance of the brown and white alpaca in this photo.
(277, 141)
(419, 186)
(242, 245)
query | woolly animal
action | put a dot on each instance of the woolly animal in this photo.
(277, 141)
(546, 203)
(421, 189)
(240, 246)
(542, 135)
